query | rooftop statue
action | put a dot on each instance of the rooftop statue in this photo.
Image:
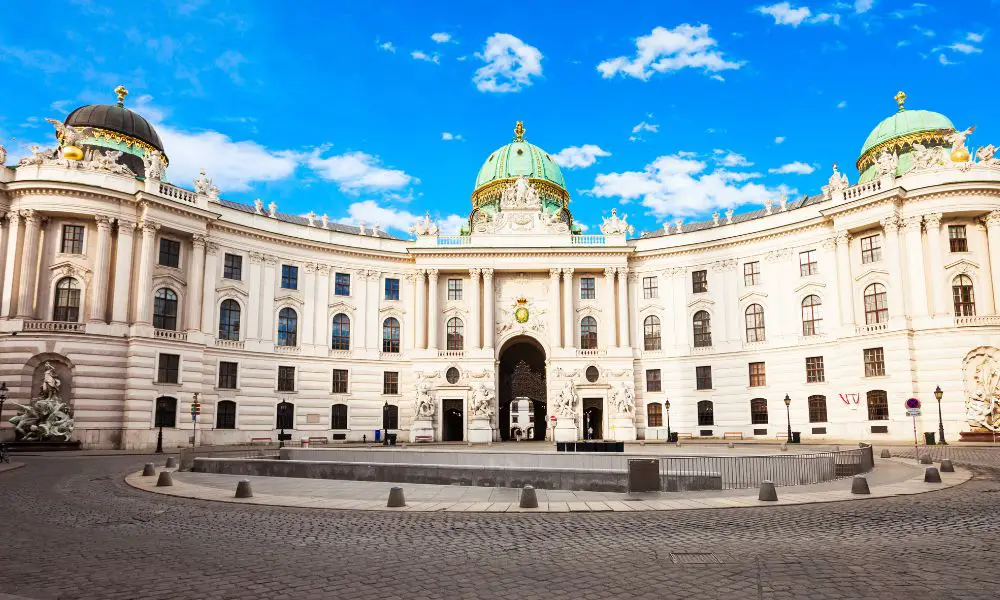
(155, 167)
(69, 135)
(614, 226)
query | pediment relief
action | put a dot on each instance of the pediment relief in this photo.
(754, 295)
(962, 265)
(452, 311)
(230, 289)
(159, 271)
(701, 303)
(168, 278)
(391, 310)
(811, 286)
(70, 268)
(341, 306)
(872, 274)
(285, 299)
(651, 307)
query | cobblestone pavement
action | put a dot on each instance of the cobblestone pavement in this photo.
(71, 529)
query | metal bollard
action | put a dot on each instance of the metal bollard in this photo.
(767, 492)
(860, 485)
(886, 453)
(149, 470)
(931, 475)
(925, 459)
(946, 466)
(171, 462)
(396, 499)
(528, 497)
(243, 489)
(165, 480)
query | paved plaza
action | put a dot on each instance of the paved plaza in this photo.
(73, 529)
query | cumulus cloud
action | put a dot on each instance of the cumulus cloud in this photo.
(965, 48)
(945, 61)
(448, 137)
(388, 47)
(863, 6)
(441, 37)
(679, 185)
(779, 140)
(420, 55)
(666, 50)
(575, 157)
(232, 165)
(728, 158)
(357, 171)
(510, 64)
(389, 217)
(796, 168)
(842, 104)
(784, 13)
(974, 37)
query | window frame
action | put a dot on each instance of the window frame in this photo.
(817, 409)
(874, 361)
(814, 310)
(875, 304)
(390, 343)
(706, 413)
(162, 318)
(703, 377)
(815, 369)
(166, 246)
(166, 374)
(958, 243)
(654, 381)
(963, 296)
(289, 277)
(77, 244)
(651, 333)
(391, 288)
(757, 373)
(873, 253)
(227, 330)
(650, 287)
(879, 409)
(390, 383)
(699, 281)
(220, 374)
(288, 327)
(751, 277)
(588, 288)
(232, 271)
(67, 301)
(455, 334)
(654, 414)
(340, 333)
(286, 379)
(588, 333)
(811, 265)
(225, 420)
(338, 419)
(702, 339)
(341, 284)
(758, 416)
(454, 289)
(340, 378)
(754, 320)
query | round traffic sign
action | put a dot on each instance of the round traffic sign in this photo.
(552, 417)
(913, 403)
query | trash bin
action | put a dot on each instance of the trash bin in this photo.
(392, 438)
(378, 435)
(929, 438)
(672, 438)
(560, 446)
(796, 437)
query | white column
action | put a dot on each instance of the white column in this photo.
(29, 265)
(939, 289)
(831, 275)
(897, 291)
(915, 266)
(322, 320)
(308, 296)
(195, 294)
(555, 315)
(253, 302)
(433, 319)
(144, 301)
(123, 272)
(10, 262)
(608, 308)
(420, 306)
(489, 319)
(209, 277)
(373, 299)
(267, 318)
(845, 281)
(568, 312)
(102, 267)
(623, 340)
(993, 237)
(475, 315)
(683, 325)
(979, 246)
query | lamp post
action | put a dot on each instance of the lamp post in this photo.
(160, 409)
(666, 404)
(282, 421)
(3, 396)
(938, 394)
(385, 423)
(788, 413)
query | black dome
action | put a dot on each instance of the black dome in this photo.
(115, 118)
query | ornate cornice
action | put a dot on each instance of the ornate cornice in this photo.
(900, 143)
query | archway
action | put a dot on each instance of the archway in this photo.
(522, 377)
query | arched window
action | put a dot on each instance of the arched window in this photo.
(961, 291)
(706, 413)
(338, 416)
(165, 309)
(455, 334)
(341, 339)
(67, 304)
(588, 333)
(755, 323)
(758, 411)
(390, 335)
(390, 417)
(876, 309)
(651, 333)
(225, 414)
(878, 405)
(817, 409)
(229, 320)
(285, 416)
(812, 314)
(654, 415)
(702, 329)
(288, 327)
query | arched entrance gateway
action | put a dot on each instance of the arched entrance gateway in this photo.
(522, 387)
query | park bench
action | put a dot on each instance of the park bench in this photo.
(424, 438)
(261, 440)
(736, 435)
(318, 440)
(685, 436)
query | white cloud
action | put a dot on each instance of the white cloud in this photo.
(389, 217)
(728, 158)
(678, 185)
(357, 171)
(924, 32)
(579, 156)
(388, 47)
(229, 63)
(944, 60)
(842, 104)
(784, 13)
(666, 50)
(446, 136)
(965, 48)
(420, 55)
(796, 168)
(61, 106)
(510, 64)
(441, 37)
(863, 6)
(452, 224)
(232, 165)
(974, 37)
(779, 140)
(644, 126)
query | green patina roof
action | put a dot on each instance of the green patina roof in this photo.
(905, 122)
(520, 159)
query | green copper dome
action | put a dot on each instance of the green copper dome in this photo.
(517, 159)
(904, 123)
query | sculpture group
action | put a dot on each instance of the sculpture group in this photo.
(47, 417)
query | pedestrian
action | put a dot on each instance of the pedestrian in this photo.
(590, 432)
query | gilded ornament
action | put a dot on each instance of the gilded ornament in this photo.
(72, 153)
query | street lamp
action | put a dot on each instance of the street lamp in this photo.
(3, 396)
(283, 421)
(938, 394)
(788, 412)
(385, 423)
(666, 404)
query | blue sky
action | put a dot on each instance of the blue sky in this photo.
(385, 110)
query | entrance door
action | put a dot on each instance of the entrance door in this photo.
(593, 418)
(452, 423)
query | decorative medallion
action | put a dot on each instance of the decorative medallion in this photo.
(521, 312)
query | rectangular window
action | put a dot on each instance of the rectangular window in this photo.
(956, 238)
(342, 284)
(650, 288)
(286, 379)
(289, 277)
(587, 289)
(807, 263)
(390, 383)
(751, 273)
(699, 281)
(454, 289)
(703, 378)
(391, 289)
(72, 242)
(653, 380)
(170, 253)
(871, 249)
(232, 267)
(339, 381)
(757, 378)
(814, 369)
(874, 362)
(167, 370)
(227, 375)
(817, 409)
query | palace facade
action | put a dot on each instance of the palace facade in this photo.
(144, 294)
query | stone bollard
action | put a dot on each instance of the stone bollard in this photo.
(243, 489)
(730, 445)
(528, 497)
(925, 459)
(171, 463)
(165, 480)
(677, 443)
(860, 485)
(149, 470)
(886, 453)
(784, 447)
(946, 466)
(396, 499)
(931, 475)
(836, 448)
(767, 492)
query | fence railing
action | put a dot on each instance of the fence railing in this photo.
(741, 472)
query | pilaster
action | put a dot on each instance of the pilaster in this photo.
(939, 290)
(568, 309)
(144, 302)
(993, 238)
(915, 266)
(29, 264)
(894, 264)
(433, 316)
(475, 315)
(197, 282)
(489, 318)
(102, 268)
(10, 264)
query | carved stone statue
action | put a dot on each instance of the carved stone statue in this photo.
(982, 389)
(424, 226)
(565, 405)
(3, 155)
(986, 156)
(615, 226)
(519, 194)
(423, 406)
(47, 418)
(623, 400)
(108, 161)
(482, 402)
(202, 183)
(69, 135)
(926, 158)
(258, 206)
(957, 140)
(886, 163)
(154, 165)
(272, 210)
(838, 181)
(39, 156)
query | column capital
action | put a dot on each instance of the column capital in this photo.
(412, 276)
(488, 274)
(890, 224)
(432, 274)
(149, 227)
(256, 258)
(567, 272)
(993, 220)
(609, 272)
(30, 216)
(269, 259)
(199, 241)
(211, 248)
(103, 223)
(13, 217)
(475, 273)
(309, 267)
(125, 224)
(932, 220)
(842, 237)
(321, 270)
(621, 271)
(829, 243)
(554, 273)
(913, 223)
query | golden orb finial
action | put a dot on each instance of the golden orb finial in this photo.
(122, 92)
(900, 98)
(519, 131)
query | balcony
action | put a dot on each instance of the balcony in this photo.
(231, 344)
(977, 321)
(862, 189)
(287, 349)
(588, 240)
(869, 329)
(590, 352)
(55, 326)
(170, 334)
(451, 353)
(454, 240)
(176, 193)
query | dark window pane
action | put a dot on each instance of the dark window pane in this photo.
(72, 242)
(229, 320)
(225, 415)
(227, 375)
(170, 253)
(286, 379)
(342, 284)
(390, 335)
(168, 368)
(758, 411)
(288, 327)
(165, 309)
(338, 416)
(391, 289)
(341, 332)
(232, 267)
(289, 277)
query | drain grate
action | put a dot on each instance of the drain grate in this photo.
(695, 558)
